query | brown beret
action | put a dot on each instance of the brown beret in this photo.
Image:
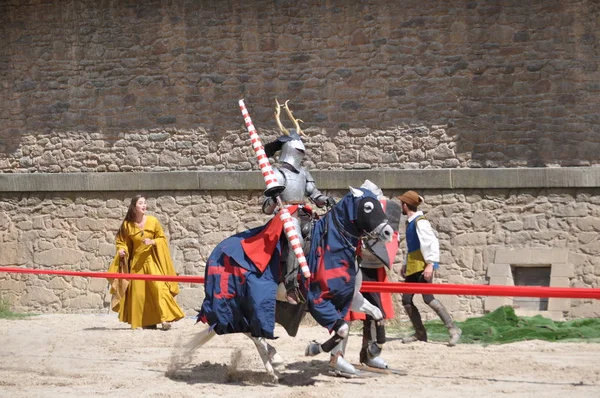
(411, 198)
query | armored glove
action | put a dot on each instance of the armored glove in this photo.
(330, 202)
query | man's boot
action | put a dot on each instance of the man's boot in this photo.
(453, 330)
(291, 296)
(415, 318)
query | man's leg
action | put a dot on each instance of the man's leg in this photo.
(439, 309)
(413, 313)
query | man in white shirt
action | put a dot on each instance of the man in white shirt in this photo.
(422, 259)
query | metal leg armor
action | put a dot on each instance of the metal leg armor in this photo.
(453, 330)
(372, 343)
(338, 363)
(360, 304)
(341, 330)
(336, 345)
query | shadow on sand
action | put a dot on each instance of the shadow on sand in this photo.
(295, 374)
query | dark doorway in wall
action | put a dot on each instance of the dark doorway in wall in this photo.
(531, 276)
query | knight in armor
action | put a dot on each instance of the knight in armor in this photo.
(299, 186)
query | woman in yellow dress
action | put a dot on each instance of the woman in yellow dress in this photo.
(142, 246)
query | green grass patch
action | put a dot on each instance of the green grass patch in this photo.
(504, 326)
(6, 313)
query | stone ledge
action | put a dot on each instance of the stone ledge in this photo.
(532, 256)
(327, 179)
(526, 178)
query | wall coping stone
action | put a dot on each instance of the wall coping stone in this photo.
(572, 177)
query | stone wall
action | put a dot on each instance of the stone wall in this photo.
(171, 150)
(152, 86)
(76, 232)
(516, 83)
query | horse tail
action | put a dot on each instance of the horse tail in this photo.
(183, 354)
(200, 339)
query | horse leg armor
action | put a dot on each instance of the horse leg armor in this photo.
(336, 345)
(338, 364)
(274, 357)
(341, 328)
(372, 343)
(340, 331)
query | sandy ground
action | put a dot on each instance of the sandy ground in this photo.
(96, 355)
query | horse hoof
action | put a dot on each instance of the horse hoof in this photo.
(277, 361)
(340, 367)
(376, 362)
(339, 373)
(313, 348)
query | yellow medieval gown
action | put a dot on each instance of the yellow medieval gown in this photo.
(146, 303)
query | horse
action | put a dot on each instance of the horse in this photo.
(242, 277)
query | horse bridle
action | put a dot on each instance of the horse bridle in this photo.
(372, 235)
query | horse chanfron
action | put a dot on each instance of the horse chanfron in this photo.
(372, 221)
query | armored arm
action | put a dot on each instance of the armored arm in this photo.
(270, 204)
(316, 196)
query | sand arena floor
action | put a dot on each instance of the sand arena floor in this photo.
(96, 355)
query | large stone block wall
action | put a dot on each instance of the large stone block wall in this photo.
(76, 232)
(172, 150)
(148, 86)
(515, 83)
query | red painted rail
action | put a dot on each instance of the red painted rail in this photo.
(481, 290)
(387, 287)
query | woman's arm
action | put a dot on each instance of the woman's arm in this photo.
(122, 241)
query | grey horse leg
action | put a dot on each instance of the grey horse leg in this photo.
(263, 351)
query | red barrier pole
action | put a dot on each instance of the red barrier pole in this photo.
(481, 290)
(383, 287)
(109, 275)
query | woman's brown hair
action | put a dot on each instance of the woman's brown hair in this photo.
(130, 216)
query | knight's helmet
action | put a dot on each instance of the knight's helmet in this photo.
(290, 143)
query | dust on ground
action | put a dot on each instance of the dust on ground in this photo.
(64, 355)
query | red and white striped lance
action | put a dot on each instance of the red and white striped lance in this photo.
(272, 183)
(259, 150)
(293, 239)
